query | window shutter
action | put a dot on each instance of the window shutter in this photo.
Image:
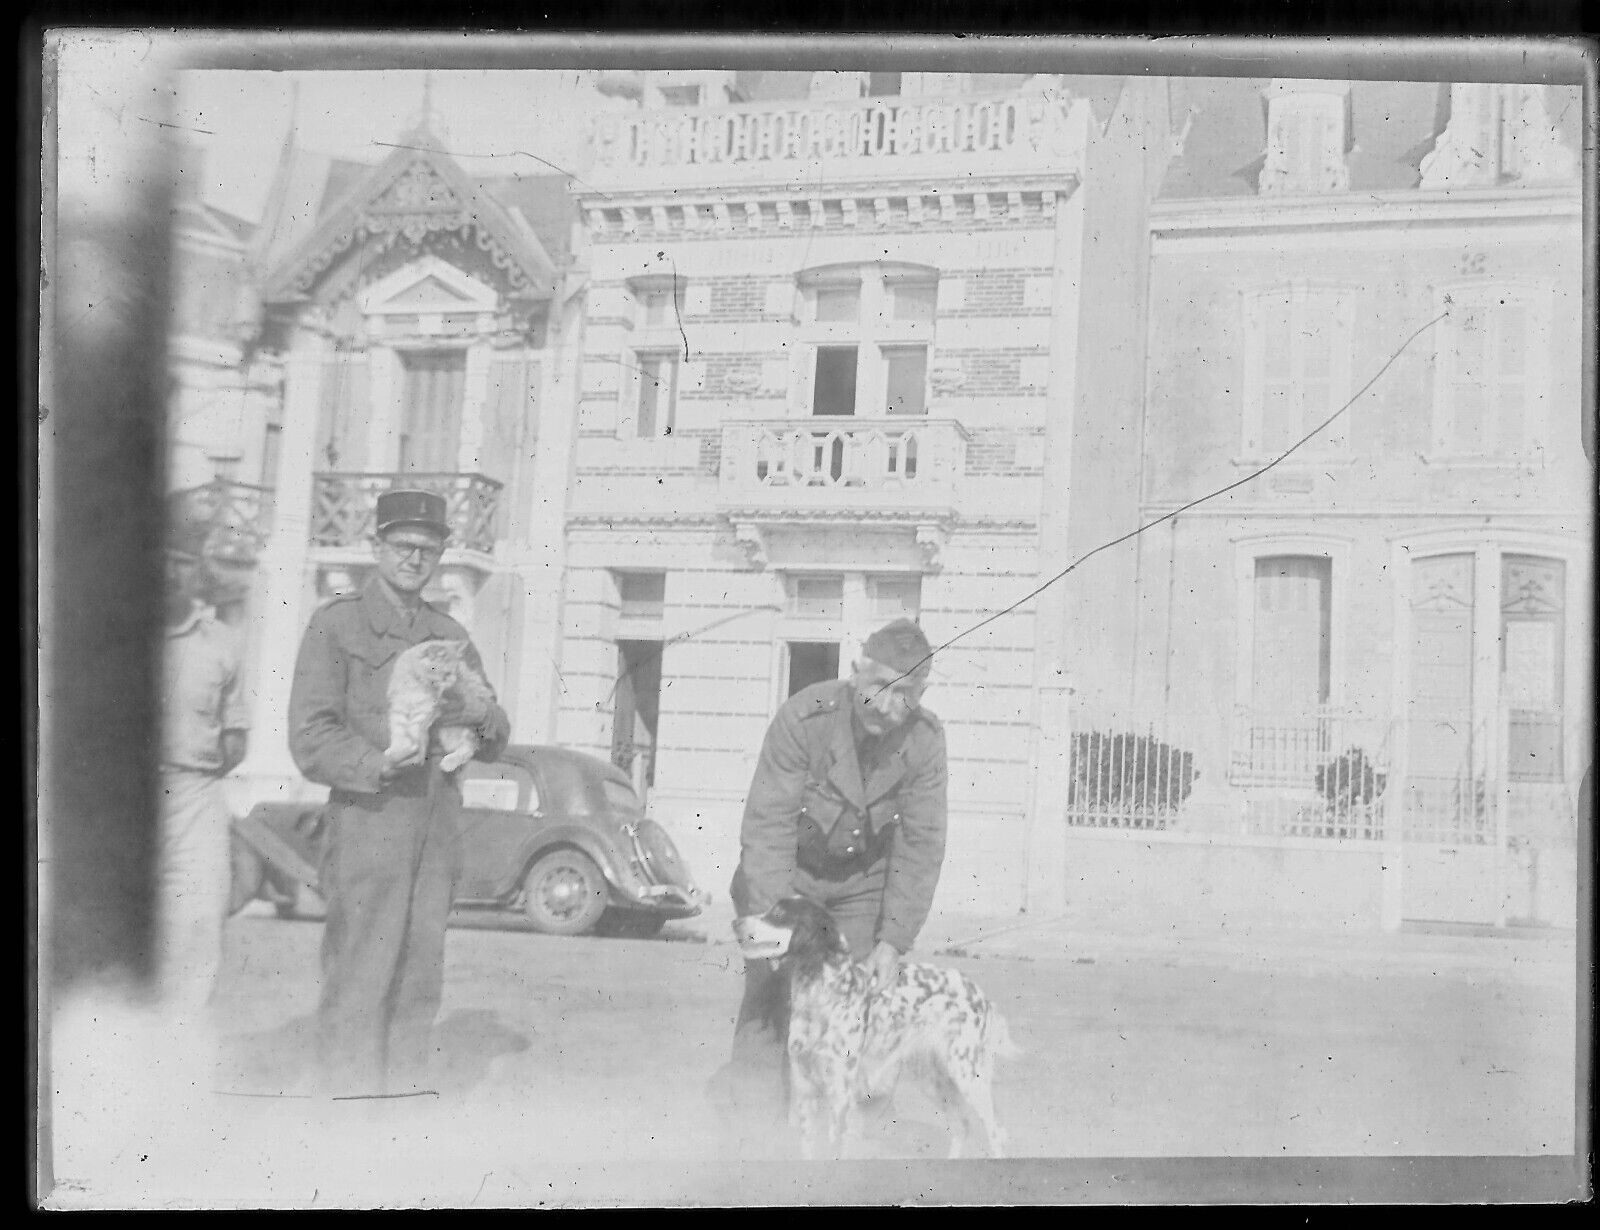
(1510, 403)
(1468, 413)
(1318, 327)
(1279, 403)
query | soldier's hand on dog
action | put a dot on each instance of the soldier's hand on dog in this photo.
(881, 965)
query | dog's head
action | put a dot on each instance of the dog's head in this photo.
(797, 928)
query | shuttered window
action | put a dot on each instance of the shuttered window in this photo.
(1297, 358)
(1485, 372)
(432, 392)
(1293, 607)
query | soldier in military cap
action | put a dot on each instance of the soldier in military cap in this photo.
(205, 720)
(847, 807)
(394, 852)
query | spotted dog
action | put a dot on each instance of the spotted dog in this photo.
(848, 1043)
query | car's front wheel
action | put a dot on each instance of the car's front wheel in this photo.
(564, 893)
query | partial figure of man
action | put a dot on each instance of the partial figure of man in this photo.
(394, 848)
(847, 807)
(205, 725)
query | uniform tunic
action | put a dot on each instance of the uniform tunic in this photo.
(394, 850)
(865, 839)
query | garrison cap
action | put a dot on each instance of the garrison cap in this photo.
(901, 646)
(404, 506)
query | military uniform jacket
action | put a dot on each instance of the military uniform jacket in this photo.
(339, 704)
(809, 809)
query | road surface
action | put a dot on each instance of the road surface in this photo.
(556, 1054)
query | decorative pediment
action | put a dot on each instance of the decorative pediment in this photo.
(429, 285)
(417, 193)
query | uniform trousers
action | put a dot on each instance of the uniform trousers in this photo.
(193, 873)
(388, 876)
(751, 1091)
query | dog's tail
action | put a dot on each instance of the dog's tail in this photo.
(1000, 1040)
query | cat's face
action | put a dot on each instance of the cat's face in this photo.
(439, 659)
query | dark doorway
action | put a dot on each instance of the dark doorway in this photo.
(636, 710)
(812, 662)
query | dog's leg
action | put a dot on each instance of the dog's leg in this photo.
(974, 1088)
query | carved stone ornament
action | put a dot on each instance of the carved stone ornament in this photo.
(754, 543)
(931, 539)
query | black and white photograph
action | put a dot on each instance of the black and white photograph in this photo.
(832, 621)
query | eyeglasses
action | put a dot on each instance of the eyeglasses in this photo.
(404, 551)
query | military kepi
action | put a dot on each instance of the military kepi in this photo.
(902, 646)
(403, 506)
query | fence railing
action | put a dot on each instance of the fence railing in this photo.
(240, 516)
(1117, 778)
(826, 460)
(344, 506)
(1324, 774)
(1451, 781)
(864, 132)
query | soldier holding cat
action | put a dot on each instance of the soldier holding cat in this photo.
(394, 850)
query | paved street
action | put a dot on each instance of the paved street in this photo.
(557, 1052)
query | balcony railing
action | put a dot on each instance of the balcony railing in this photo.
(240, 516)
(891, 134)
(842, 463)
(344, 505)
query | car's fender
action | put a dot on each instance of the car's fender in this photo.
(259, 830)
(607, 855)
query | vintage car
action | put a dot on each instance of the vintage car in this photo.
(556, 834)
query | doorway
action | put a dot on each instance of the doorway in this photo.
(636, 712)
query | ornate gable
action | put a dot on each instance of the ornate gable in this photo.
(417, 196)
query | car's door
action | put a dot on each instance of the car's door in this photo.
(500, 808)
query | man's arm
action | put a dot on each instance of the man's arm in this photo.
(322, 743)
(235, 712)
(918, 851)
(767, 836)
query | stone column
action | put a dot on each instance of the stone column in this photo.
(540, 565)
(282, 580)
(469, 454)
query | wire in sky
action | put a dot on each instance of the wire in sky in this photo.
(1137, 530)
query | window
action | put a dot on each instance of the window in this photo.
(817, 597)
(1297, 369)
(1532, 636)
(868, 332)
(895, 597)
(834, 390)
(271, 448)
(881, 85)
(498, 787)
(657, 308)
(1485, 400)
(642, 595)
(1291, 655)
(1307, 137)
(432, 394)
(905, 379)
(658, 393)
